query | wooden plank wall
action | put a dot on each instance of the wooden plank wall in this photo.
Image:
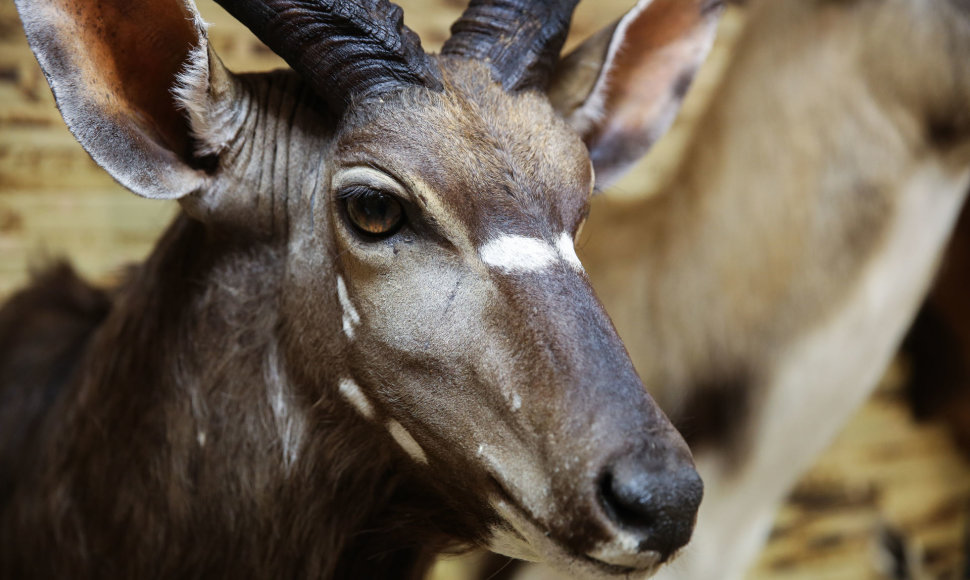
(55, 202)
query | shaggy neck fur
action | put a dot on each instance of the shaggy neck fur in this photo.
(166, 457)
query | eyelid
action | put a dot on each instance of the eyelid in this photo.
(357, 191)
(370, 178)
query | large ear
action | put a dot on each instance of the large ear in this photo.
(115, 67)
(622, 88)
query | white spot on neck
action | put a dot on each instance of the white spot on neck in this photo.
(350, 317)
(406, 441)
(356, 397)
(289, 422)
(567, 251)
(200, 437)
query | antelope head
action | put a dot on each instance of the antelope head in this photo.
(423, 208)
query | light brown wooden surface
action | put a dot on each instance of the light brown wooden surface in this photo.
(55, 202)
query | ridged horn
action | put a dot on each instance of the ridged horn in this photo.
(345, 49)
(520, 40)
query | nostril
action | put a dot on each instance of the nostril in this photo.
(657, 505)
(621, 507)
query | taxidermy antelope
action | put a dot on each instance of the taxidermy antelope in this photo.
(763, 290)
(367, 337)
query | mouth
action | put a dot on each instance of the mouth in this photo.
(615, 570)
(625, 561)
(523, 538)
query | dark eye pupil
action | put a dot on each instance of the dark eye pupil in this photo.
(374, 212)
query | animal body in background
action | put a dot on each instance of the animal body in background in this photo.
(767, 285)
(762, 290)
(366, 338)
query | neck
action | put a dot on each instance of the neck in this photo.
(195, 447)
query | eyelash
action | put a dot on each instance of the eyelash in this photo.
(359, 191)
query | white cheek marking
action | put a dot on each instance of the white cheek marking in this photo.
(567, 251)
(350, 317)
(518, 254)
(356, 397)
(406, 441)
(508, 543)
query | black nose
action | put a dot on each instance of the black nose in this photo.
(656, 503)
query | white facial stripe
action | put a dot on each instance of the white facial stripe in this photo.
(356, 397)
(350, 317)
(406, 441)
(518, 254)
(567, 250)
(522, 254)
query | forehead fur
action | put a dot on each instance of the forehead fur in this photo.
(499, 161)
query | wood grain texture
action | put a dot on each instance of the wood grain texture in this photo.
(55, 201)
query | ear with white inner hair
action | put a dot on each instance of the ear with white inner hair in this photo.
(136, 83)
(622, 88)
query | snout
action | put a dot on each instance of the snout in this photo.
(624, 520)
(650, 510)
(601, 484)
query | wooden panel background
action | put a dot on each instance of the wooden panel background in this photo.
(55, 202)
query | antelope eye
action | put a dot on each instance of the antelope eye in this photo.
(373, 212)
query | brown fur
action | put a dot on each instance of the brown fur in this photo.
(206, 427)
(130, 445)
